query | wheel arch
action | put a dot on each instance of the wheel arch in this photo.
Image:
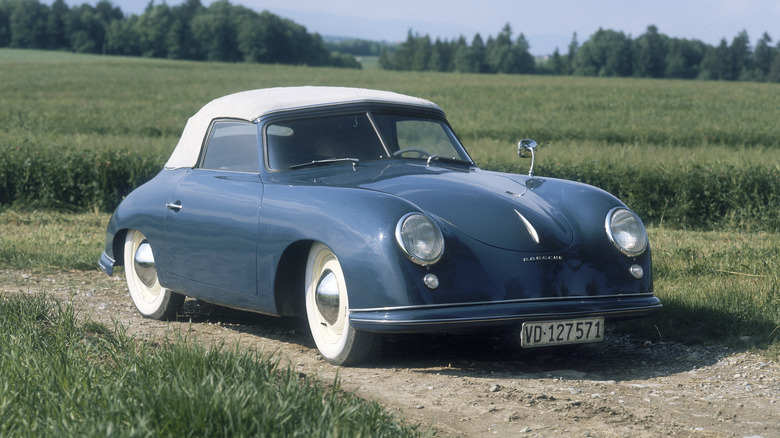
(143, 210)
(289, 279)
(118, 246)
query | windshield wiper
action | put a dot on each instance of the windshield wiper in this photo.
(447, 160)
(315, 163)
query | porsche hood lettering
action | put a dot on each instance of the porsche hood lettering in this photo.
(543, 258)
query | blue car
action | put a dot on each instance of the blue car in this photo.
(361, 211)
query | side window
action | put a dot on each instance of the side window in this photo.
(232, 145)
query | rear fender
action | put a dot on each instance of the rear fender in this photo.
(143, 210)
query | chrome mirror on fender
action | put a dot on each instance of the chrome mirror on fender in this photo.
(526, 148)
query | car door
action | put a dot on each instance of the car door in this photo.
(212, 220)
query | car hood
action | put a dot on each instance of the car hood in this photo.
(497, 209)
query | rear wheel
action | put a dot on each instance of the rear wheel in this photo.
(152, 300)
(327, 310)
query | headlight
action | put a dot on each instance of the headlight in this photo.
(626, 231)
(419, 238)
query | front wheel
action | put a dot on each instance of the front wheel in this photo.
(152, 300)
(327, 310)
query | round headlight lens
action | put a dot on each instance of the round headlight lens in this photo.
(419, 238)
(626, 231)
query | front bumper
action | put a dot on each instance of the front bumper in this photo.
(501, 314)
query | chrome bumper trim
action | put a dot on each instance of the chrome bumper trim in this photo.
(106, 264)
(518, 301)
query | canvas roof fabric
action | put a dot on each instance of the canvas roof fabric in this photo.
(253, 104)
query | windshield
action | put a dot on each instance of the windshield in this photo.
(419, 138)
(359, 137)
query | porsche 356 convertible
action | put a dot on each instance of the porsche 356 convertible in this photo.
(361, 211)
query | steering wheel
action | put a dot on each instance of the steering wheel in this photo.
(422, 153)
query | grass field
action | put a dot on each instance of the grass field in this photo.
(77, 124)
(140, 103)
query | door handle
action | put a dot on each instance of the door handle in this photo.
(175, 206)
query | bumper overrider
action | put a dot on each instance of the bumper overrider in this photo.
(500, 314)
(106, 263)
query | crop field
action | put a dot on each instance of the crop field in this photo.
(699, 161)
(80, 131)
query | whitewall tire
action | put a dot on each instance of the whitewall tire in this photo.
(327, 310)
(152, 300)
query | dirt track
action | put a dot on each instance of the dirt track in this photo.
(485, 386)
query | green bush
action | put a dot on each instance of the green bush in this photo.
(695, 197)
(71, 178)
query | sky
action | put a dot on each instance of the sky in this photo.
(546, 24)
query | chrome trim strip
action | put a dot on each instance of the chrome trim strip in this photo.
(482, 303)
(529, 316)
(110, 259)
(529, 227)
(378, 134)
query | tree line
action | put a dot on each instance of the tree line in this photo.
(606, 53)
(220, 32)
(228, 33)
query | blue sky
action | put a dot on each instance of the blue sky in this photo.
(546, 24)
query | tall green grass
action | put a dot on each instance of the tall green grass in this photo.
(72, 179)
(50, 240)
(60, 376)
(716, 287)
(685, 154)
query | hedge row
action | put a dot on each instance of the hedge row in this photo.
(696, 197)
(72, 180)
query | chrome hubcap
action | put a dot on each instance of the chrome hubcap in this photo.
(144, 265)
(327, 297)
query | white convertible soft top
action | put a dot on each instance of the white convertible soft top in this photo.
(250, 105)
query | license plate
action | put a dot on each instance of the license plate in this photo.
(571, 331)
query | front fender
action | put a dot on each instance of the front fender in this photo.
(358, 225)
